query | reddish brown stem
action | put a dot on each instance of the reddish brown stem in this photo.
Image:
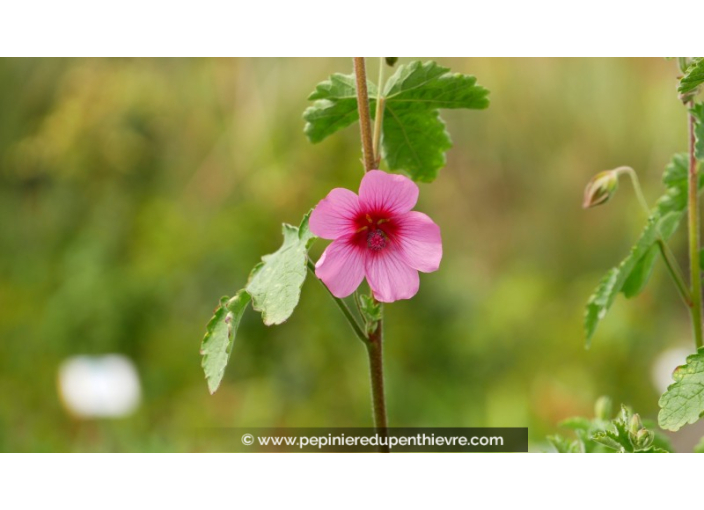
(374, 346)
(365, 120)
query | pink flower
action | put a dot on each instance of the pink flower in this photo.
(376, 235)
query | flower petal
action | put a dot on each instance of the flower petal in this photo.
(389, 277)
(392, 193)
(341, 267)
(334, 215)
(419, 241)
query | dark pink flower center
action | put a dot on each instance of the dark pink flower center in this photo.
(376, 240)
(375, 230)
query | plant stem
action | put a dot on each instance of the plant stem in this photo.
(374, 345)
(668, 257)
(694, 240)
(344, 309)
(376, 370)
(365, 125)
(379, 115)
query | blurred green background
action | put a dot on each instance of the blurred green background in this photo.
(135, 193)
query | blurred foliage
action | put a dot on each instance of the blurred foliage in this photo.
(606, 433)
(135, 193)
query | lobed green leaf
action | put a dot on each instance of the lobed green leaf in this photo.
(683, 401)
(430, 86)
(414, 136)
(414, 139)
(220, 337)
(609, 439)
(335, 106)
(275, 283)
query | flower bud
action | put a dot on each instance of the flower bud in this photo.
(636, 425)
(603, 408)
(391, 61)
(644, 438)
(601, 188)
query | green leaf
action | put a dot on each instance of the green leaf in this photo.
(698, 113)
(608, 439)
(275, 283)
(220, 337)
(693, 77)
(683, 402)
(414, 136)
(616, 435)
(609, 287)
(431, 86)
(335, 106)
(414, 139)
(640, 274)
(631, 276)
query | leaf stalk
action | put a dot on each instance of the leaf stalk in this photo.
(344, 309)
(378, 115)
(673, 268)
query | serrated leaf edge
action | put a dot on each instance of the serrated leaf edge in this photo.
(678, 375)
(225, 307)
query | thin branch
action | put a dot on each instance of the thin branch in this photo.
(343, 308)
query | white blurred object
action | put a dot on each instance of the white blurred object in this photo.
(99, 386)
(666, 363)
